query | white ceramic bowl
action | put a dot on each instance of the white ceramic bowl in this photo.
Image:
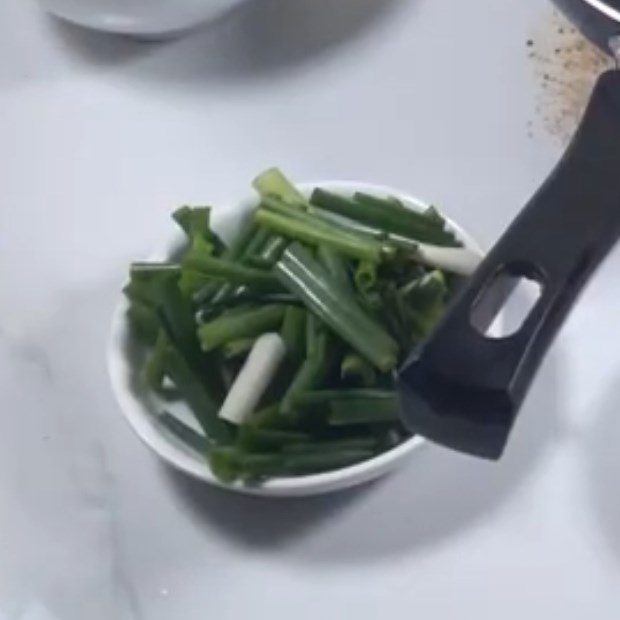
(150, 19)
(140, 407)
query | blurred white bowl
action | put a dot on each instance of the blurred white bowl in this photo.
(140, 407)
(150, 19)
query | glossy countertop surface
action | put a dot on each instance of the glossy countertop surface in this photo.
(100, 138)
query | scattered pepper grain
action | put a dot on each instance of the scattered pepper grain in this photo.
(565, 66)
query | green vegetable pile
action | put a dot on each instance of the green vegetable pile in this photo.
(337, 277)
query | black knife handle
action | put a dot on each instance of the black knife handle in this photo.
(463, 388)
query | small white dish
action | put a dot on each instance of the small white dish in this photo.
(148, 19)
(140, 408)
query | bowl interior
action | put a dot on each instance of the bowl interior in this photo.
(140, 406)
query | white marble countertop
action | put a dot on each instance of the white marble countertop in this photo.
(99, 139)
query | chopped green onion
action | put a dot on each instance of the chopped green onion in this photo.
(184, 433)
(355, 368)
(385, 216)
(273, 182)
(242, 324)
(302, 275)
(296, 446)
(221, 269)
(349, 244)
(255, 439)
(363, 411)
(366, 275)
(335, 265)
(314, 368)
(155, 369)
(237, 348)
(294, 332)
(204, 404)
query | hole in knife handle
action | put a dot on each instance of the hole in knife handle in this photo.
(505, 302)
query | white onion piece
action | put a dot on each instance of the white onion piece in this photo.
(252, 381)
(455, 260)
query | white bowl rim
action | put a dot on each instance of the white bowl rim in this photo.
(139, 416)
